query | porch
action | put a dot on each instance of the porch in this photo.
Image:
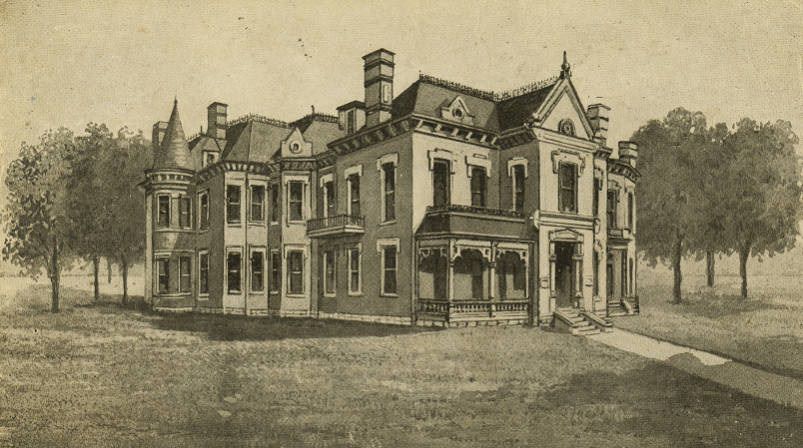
(468, 278)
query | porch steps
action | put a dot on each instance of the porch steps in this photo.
(622, 308)
(580, 323)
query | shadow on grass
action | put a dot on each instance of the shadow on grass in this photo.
(660, 400)
(241, 328)
(708, 302)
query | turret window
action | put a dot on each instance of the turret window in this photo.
(163, 274)
(164, 211)
(184, 274)
(184, 207)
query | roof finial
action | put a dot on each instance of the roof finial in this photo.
(565, 68)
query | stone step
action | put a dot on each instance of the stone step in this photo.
(585, 332)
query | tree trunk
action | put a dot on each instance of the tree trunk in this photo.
(108, 270)
(125, 280)
(96, 274)
(709, 268)
(54, 272)
(744, 254)
(677, 253)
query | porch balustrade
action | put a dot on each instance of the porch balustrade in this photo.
(472, 309)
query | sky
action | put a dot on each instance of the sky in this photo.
(122, 63)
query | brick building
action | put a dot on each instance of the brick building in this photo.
(442, 205)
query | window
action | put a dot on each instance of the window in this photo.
(233, 204)
(441, 172)
(566, 126)
(209, 158)
(233, 267)
(355, 279)
(203, 204)
(597, 189)
(296, 201)
(163, 273)
(389, 286)
(274, 203)
(329, 272)
(184, 274)
(257, 271)
(389, 191)
(475, 265)
(567, 187)
(257, 203)
(518, 188)
(613, 200)
(329, 199)
(630, 211)
(275, 271)
(203, 273)
(295, 272)
(184, 207)
(354, 194)
(164, 211)
(478, 186)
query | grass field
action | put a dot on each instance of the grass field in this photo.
(766, 330)
(99, 375)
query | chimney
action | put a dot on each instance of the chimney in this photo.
(598, 116)
(628, 152)
(351, 116)
(159, 129)
(216, 120)
(378, 68)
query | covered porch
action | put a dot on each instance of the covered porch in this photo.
(466, 282)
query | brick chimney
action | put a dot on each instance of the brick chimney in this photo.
(598, 116)
(378, 68)
(628, 152)
(216, 120)
(158, 134)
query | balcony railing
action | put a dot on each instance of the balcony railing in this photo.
(475, 210)
(467, 310)
(337, 224)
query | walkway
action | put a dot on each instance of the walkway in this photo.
(758, 383)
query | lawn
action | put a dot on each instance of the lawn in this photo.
(100, 375)
(765, 330)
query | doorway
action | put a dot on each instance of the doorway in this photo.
(564, 275)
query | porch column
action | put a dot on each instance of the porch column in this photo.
(578, 273)
(492, 272)
(552, 260)
(450, 272)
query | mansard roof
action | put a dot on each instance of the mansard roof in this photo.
(491, 110)
(173, 151)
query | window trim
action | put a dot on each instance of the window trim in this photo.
(201, 294)
(286, 271)
(304, 180)
(227, 288)
(251, 252)
(358, 249)
(381, 244)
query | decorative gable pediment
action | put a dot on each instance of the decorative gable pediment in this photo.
(295, 145)
(457, 111)
(563, 112)
(567, 235)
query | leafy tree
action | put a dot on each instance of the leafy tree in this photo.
(762, 182)
(89, 201)
(123, 165)
(668, 151)
(39, 230)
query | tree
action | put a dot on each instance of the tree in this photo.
(123, 165)
(762, 182)
(39, 230)
(89, 201)
(666, 215)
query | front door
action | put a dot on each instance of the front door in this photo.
(564, 275)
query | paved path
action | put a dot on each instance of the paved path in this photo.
(756, 382)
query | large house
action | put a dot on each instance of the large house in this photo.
(442, 205)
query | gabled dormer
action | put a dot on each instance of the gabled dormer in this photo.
(562, 111)
(457, 110)
(295, 146)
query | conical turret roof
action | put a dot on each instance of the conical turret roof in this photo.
(173, 151)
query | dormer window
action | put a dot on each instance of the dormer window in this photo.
(566, 127)
(457, 113)
(209, 158)
(295, 147)
(457, 110)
